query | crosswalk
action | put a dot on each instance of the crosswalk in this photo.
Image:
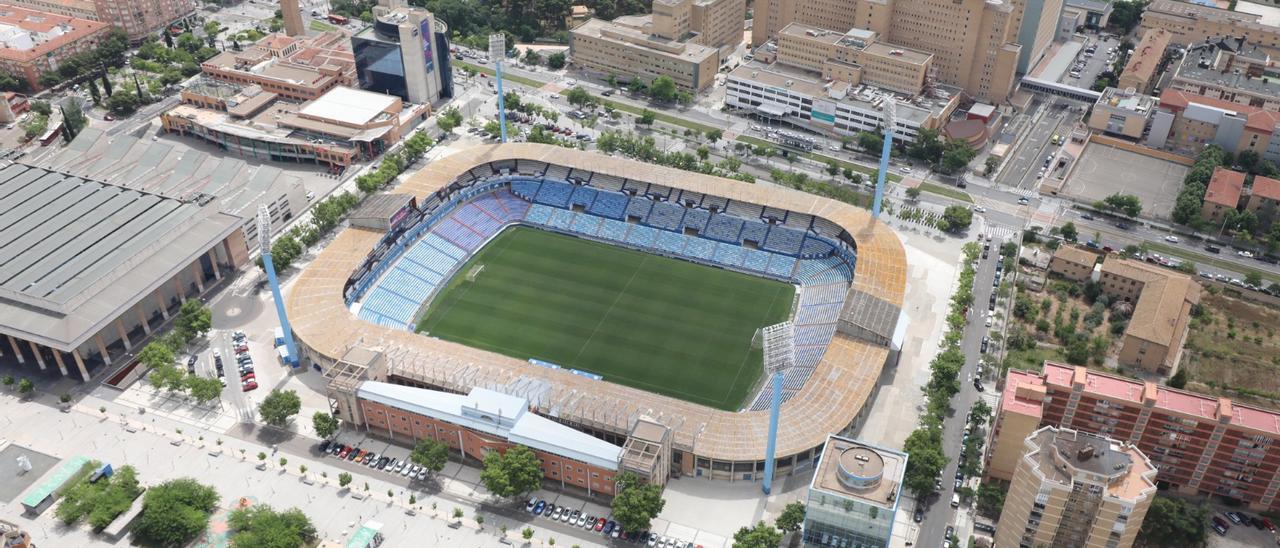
(1000, 232)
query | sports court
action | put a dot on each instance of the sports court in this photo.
(1104, 170)
(659, 324)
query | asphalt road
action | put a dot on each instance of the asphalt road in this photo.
(1028, 157)
(938, 511)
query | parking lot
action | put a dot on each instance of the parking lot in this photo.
(1239, 535)
(1087, 67)
(1103, 170)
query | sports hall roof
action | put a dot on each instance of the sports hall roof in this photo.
(828, 402)
(76, 253)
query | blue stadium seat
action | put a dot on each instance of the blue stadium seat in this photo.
(665, 216)
(818, 313)
(723, 228)
(539, 214)
(525, 189)
(609, 204)
(806, 335)
(671, 241)
(807, 357)
(755, 260)
(695, 219)
(753, 231)
(814, 247)
(585, 224)
(781, 265)
(642, 236)
(639, 207)
(826, 293)
(583, 196)
(700, 248)
(554, 193)
(730, 254)
(561, 218)
(613, 230)
(784, 240)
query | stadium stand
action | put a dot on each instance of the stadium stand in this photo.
(784, 240)
(724, 228)
(744, 210)
(701, 249)
(688, 198)
(814, 247)
(614, 230)
(639, 207)
(638, 187)
(583, 196)
(586, 224)
(754, 231)
(531, 167)
(561, 219)
(670, 242)
(729, 254)
(665, 216)
(642, 236)
(799, 221)
(607, 182)
(826, 228)
(557, 173)
(715, 202)
(695, 219)
(774, 213)
(659, 192)
(554, 193)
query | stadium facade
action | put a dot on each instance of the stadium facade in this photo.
(354, 300)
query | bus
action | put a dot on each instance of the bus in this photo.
(337, 19)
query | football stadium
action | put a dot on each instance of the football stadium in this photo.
(602, 290)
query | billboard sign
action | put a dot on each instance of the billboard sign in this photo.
(424, 31)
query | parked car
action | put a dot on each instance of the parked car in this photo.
(537, 508)
(919, 515)
(249, 386)
(555, 514)
(1235, 517)
(600, 523)
(609, 527)
(589, 523)
(342, 454)
(550, 509)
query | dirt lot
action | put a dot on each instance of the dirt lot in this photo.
(1047, 309)
(1233, 349)
(1104, 170)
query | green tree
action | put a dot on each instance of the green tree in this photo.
(556, 61)
(73, 116)
(531, 57)
(791, 518)
(663, 89)
(1254, 278)
(989, 166)
(123, 103)
(647, 117)
(990, 499)
(194, 318)
(155, 354)
(870, 141)
(1126, 14)
(325, 424)
(203, 389)
(924, 445)
(278, 406)
(9, 82)
(714, 135)
(430, 454)
(579, 96)
(1125, 204)
(636, 503)
(913, 193)
(449, 119)
(344, 479)
(760, 536)
(260, 526)
(1179, 379)
(1173, 522)
(512, 473)
(167, 377)
(957, 217)
(41, 107)
(174, 512)
(25, 386)
(955, 156)
(1069, 232)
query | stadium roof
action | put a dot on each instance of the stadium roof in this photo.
(828, 402)
(76, 253)
(496, 413)
(349, 106)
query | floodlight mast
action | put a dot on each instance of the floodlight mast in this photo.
(264, 245)
(498, 53)
(890, 120)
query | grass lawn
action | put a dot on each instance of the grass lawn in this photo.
(658, 324)
(949, 192)
(320, 26)
(1233, 349)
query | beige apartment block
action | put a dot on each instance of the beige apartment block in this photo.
(138, 18)
(79, 9)
(1119, 112)
(855, 56)
(1140, 72)
(626, 48)
(1190, 23)
(1074, 489)
(973, 42)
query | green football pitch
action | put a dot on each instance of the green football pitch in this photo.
(658, 324)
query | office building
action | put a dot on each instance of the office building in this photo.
(712, 23)
(623, 48)
(854, 494)
(1039, 28)
(1119, 111)
(1232, 69)
(1140, 71)
(336, 130)
(300, 69)
(140, 18)
(32, 42)
(1074, 489)
(1201, 445)
(1086, 13)
(1223, 195)
(404, 53)
(974, 42)
(1190, 23)
(855, 56)
(1186, 122)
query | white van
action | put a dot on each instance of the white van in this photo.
(955, 500)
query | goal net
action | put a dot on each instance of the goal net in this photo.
(474, 272)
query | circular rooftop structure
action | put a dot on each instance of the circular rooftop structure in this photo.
(860, 468)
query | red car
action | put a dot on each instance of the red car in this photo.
(250, 385)
(248, 377)
(1267, 523)
(600, 524)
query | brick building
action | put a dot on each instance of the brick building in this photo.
(32, 42)
(1200, 444)
(1073, 263)
(1223, 195)
(482, 421)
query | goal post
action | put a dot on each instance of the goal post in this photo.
(474, 272)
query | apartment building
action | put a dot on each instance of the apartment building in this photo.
(1073, 489)
(1229, 68)
(1162, 301)
(482, 421)
(855, 56)
(140, 18)
(1264, 200)
(300, 69)
(1200, 444)
(791, 95)
(32, 42)
(1121, 112)
(1191, 23)
(854, 495)
(974, 42)
(1073, 263)
(78, 9)
(1186, 122)
(1223, 195)
(626, 48)
(712, 23)
(1140, 71)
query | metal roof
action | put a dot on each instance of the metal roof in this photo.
(349, 106)
(76, 253)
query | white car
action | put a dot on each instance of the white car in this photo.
(904, 169)
(834, 148)
(979, 209)
(1171, 239)
(1245, 254)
